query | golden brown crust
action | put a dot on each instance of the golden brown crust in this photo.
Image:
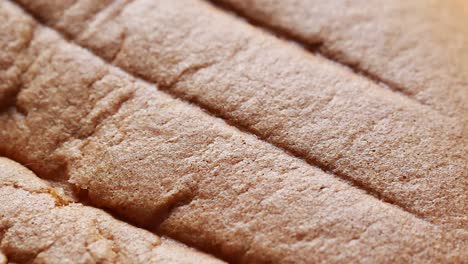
(392, 146)
(38, 225)
(417, 47)
(165, 163)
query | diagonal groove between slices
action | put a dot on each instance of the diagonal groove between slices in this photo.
(86, 130)
(35, 228)
(416, 47)
(77, 131)
(315, 45)
(206, 184)
(405, 153)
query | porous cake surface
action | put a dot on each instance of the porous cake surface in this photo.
(183, 119)
(42, 225)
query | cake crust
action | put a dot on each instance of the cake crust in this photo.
(240, 144)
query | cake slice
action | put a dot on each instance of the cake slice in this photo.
(39, 224)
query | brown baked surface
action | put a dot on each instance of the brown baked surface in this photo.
(183, 119)
(417, 47)
(39, 223)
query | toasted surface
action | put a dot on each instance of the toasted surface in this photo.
(39, 225)
(403, 151)
(418, 47)
(135, 149)
(169, 165)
